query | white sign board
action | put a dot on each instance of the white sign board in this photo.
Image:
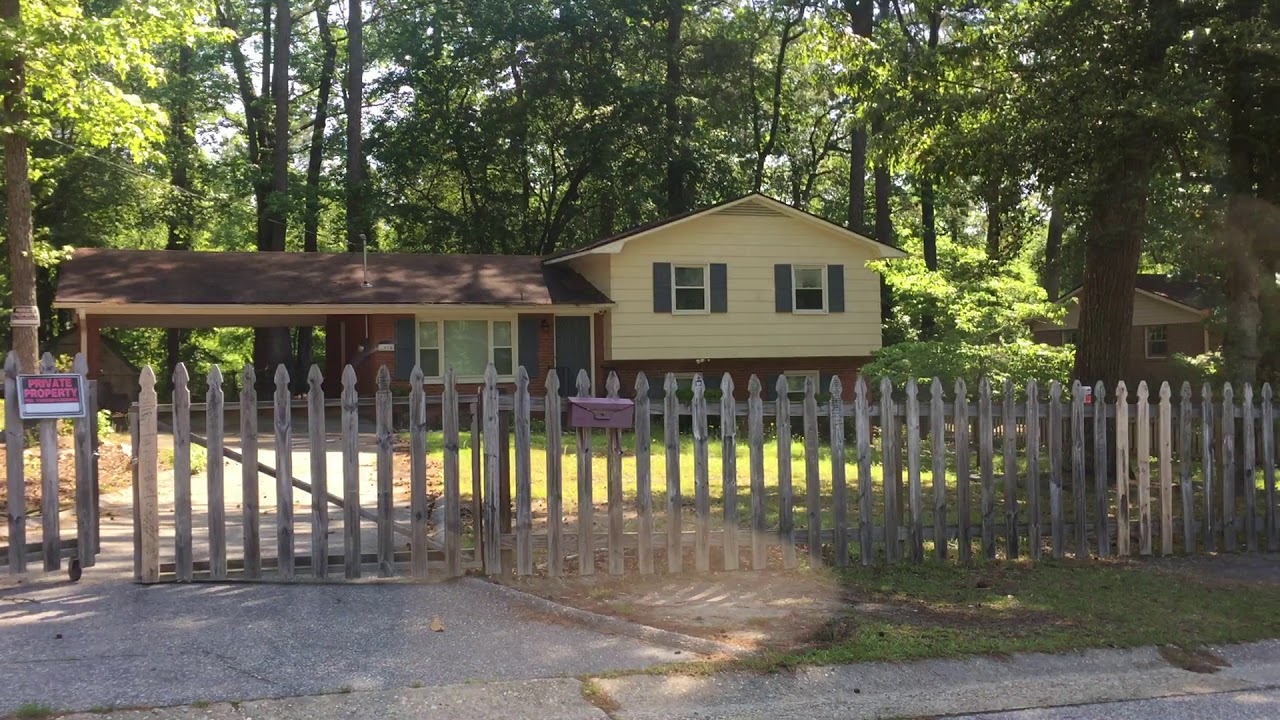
(56, 395)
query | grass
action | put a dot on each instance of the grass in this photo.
(595, 694)
(199, 460)
(32, 711)
(941, 610)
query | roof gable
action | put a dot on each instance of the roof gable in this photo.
(752, 205)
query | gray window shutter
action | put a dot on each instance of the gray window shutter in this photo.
(835, 288)
(782, 288)
(528, 332)
(406, 348)
(662, 287)
(719, 288)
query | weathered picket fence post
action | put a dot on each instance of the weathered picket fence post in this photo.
(1249, 471)
(453, 469)
(1143, 428)
(182, 552)
(524, 476)
(319, 474)
(1185, 462)
(812, 472)
(1034, 529)
(386, 438)
(786, 500)
(249, 474)
(964, 537)
(284, 474)
(644, 477)
(671, 438)
(916, 492)
(888, 481)
(986, 451)
(1122, 470)
(937, 425)
(86, 479)
(1101, 490)
(351, 545)
(1058, 517)
(555, 481)
(15, 443)
(49, 510)
(701, 477)
(862, 431)
(214, 473)
(418, 512)
(148, 501)
(613, 477)
(1269, 469)
(586, 503)
(729, 470)
(1207, 463)
(1166, 471)
(1228, 469)
(1009, 467)
(492, 530)
(1078, 471)
(839, 483)
(755, 449)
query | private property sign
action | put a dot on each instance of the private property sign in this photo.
(56, 395)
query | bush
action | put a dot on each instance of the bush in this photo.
(1198, 369)
(1018, 361)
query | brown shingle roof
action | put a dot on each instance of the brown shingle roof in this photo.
(1191, 293)
(257, 278)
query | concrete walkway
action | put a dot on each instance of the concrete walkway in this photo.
(1134, 683)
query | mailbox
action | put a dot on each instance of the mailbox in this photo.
(590, 412)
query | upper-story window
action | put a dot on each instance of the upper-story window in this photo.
(1157, 341)
(809, 288)
(689, 288)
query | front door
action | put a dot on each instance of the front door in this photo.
(573, 351)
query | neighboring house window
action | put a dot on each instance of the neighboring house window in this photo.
(1157, 341)
(689, 285)
(1068, 337)
(808, 283)
(468, 346)
(795, 383)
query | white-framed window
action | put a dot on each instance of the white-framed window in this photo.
(809, 288)
(1068, 337)
(690, 291)
(468, 346)
(1157, 341)
(795, 383)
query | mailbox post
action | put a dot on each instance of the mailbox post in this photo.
(614, 415)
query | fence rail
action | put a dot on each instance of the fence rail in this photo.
(868, 472)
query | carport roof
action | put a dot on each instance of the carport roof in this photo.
(108, 277)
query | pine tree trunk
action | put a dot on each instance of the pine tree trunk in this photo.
(357, 232)
(1052, 276)
(180, 214)
(929, 238)
(861, 21)
(17, 184)
(678, 199)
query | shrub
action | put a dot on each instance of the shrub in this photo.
(1018, 361)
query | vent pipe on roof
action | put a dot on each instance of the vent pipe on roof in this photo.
(364, 248)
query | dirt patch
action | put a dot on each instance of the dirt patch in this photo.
(114, 472)
(1193, 659)
(1245, 570)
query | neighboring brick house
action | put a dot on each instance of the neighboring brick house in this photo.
(748, 286)
(1168, 319)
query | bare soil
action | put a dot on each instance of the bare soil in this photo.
(114, 473)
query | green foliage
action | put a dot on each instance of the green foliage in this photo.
(1019, 361)
(1198, 369)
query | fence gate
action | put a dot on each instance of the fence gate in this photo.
(81, 549)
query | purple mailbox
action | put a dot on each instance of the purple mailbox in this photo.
(591, 412)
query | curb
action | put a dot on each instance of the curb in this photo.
(605, 623)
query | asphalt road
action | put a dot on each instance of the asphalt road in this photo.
(113, 643)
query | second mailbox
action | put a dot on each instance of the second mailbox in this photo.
(589, 412)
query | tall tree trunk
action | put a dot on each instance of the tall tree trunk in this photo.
(1052, 275)
(357, 226)
(315, 161)
(1113, 246)
(17, 186)
(181, 221)
(277, 341)
(995, 217)
(929, 238)
(678, 196)
(861, 21)
(884, 208)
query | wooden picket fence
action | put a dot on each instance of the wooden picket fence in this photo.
(887, 475)
(52, 548)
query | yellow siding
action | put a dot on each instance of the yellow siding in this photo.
(1146, 311)
(749, 246)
